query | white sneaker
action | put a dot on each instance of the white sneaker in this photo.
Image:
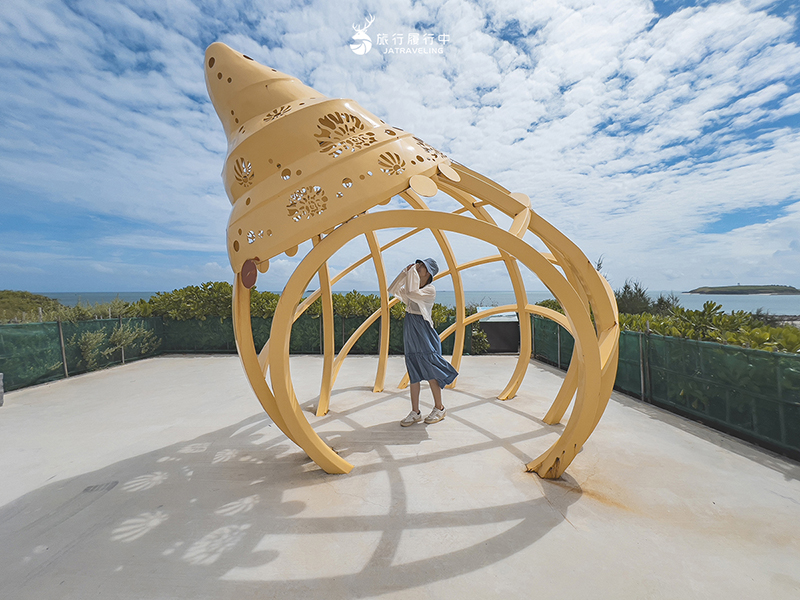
(413, 417)
(436, 415)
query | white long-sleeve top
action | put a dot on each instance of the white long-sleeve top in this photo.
(418, 301)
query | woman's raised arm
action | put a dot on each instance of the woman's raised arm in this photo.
(396, 288)
(412, 289)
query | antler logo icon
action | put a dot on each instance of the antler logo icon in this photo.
(362, 43)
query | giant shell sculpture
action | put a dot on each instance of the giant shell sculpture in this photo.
(301, 166)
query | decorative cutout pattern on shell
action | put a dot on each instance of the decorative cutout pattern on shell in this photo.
(243, 171)
(251, 236)
(391, 163)
(339, 132)
(430, 149)
(277, 113)
(307, 202)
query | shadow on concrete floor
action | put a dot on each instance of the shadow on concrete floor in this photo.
(209, 518)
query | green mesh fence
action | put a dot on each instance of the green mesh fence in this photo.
(753, 394)
(545, 340)
(306, 335)
(566, 344)
(261, 328)
(30, 354)
(554, 345)
(551, 343)
(750, 393)
(629, 371)
(396, 336)
(450, 342)
(84, 343)
(91, 345)
(216, 335)
(198, 336)
(305, 328)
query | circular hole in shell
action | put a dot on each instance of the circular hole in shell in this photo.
(419, 158)
(240, 232)
(229, 79)
(361, 176)
(219, 75)
(236, 245)
(299, 172)
(286, 174)
(347, 182)
(211, 62)
(390, 132)
(247, 202)
(369, 173)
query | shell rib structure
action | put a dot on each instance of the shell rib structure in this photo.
(301, 166)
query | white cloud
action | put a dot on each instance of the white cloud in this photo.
(101, 268)
(156, 242)
(630, 132)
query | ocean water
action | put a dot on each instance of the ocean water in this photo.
(776, 305)
(491, 298)
(773, 304)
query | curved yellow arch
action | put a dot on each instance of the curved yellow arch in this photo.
(301, 166)
(550, 464)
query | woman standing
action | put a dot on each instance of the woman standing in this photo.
(423, 350)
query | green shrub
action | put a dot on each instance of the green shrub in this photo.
(633, 299)
(213, 300)
(711, 324)
(89, 343)
(131, 337)
(480, 343)
(23, 306)
(263, 304)
(552, 304)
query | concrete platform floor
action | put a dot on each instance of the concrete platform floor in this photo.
(163, 479)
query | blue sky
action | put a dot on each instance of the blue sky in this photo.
(663, 137)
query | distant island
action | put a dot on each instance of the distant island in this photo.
(786, 290)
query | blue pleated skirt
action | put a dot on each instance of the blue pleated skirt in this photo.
(423, 352)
